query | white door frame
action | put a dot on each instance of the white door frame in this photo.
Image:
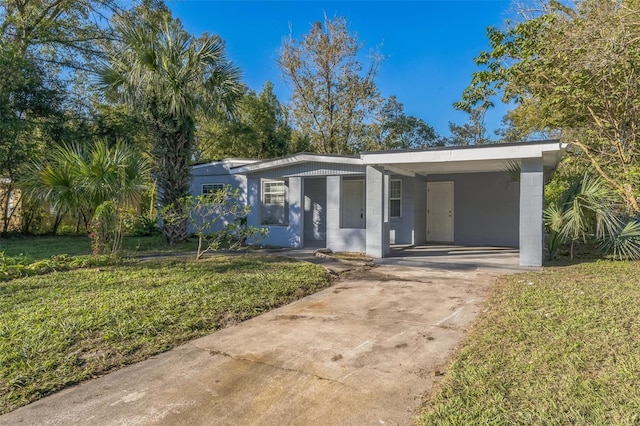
(440, 211)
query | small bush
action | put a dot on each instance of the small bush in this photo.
(144, 226)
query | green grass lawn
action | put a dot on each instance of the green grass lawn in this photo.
(43, 247)
(557, 347)
(65, 327)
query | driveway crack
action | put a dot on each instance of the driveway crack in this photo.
(291, 370)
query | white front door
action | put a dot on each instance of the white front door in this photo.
(352, 203)
(440, 212)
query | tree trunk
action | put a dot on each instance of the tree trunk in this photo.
(56, 223)
(173, 157)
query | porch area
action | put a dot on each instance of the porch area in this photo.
(456, 257)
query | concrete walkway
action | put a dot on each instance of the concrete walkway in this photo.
(363, 351)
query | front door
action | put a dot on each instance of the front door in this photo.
(440, 212)
(352, 203)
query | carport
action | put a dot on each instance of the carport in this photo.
(461, 196)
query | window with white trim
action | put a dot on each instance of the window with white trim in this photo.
(275, 209)
(212, 188)
(395, 198)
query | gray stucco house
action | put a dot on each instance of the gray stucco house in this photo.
(366, 203)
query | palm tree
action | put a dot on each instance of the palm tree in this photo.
(170, 76)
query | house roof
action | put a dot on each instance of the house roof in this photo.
(303, 157)
(409, 162)
(228, 162)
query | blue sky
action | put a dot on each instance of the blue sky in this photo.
(429, 46)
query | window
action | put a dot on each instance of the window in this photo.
(212, 188)
(395, 198)
(274, 203)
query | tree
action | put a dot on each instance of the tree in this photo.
(46, 47)
(573, 69)
(258, 130)
(28, 101)
(393, 129)
(333, 91)
(170, 76)
(218, 219)
(65, 33)
(473, 132)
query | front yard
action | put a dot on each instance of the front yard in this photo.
(61, 328)
(553, 348)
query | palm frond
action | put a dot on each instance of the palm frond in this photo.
(512, 168)
(625, 244)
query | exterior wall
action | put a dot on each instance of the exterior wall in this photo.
(420, 211)
(486, 208)
(402, 230)
(340, 239)
(234, 181)
(315, 209)
(289, 235)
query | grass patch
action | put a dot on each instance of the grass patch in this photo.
(557, 347)
(66, 327)
(21, 266)
(44, 247)
(356, 256)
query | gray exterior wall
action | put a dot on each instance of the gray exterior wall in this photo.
(402, 230)
(315, 209)
(420, 210)
(217, 174)
(289, 235)
(340, 239)
(328, 180)
(486, 208)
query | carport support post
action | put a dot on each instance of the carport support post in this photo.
(377, 209)
(531, 204)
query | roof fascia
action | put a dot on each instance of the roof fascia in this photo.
(489, 152)
(295, 159)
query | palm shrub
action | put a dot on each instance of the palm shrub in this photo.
(625, 243)
(589, 211)
(100, 182)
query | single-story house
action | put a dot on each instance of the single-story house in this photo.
(461, 195)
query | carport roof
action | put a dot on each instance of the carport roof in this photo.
(465, 159)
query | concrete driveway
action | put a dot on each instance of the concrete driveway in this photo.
(360, 352)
